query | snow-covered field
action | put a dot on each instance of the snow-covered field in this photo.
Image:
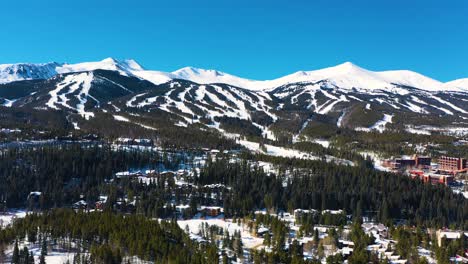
(8, 217)
(277, 151)
(379, 126)
(194, 225)
(291, 153)
(56, 254)
(427, 130)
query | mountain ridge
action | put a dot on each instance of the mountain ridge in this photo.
(346, 76)
(116, 95)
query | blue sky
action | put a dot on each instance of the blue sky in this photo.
(254, 39)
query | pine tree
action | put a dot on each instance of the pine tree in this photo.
(43, 251)
(31, 258)
(25, 255)
(2, 252)
(267, 239)
(16, 256)
(384, 212)
(316, 237)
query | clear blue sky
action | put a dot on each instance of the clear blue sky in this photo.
(260, 40)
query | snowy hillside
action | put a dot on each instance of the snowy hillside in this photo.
(24, 71)
(345, 96)
(343, 76)
(460, 85)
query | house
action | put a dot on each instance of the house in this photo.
(376, 230)
(212, 211)
(81, 204)
(137, 142)
(182, 209)
(298, 213)
(99, 205)
(449, 235)
(334, 212)
(346, 247)
(262, 231)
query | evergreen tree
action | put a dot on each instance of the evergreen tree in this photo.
(43, 251)
(16, 256)
(31, 258)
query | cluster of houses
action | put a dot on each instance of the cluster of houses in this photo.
(383, 246)
(134, 141)
(83, 205)
(202, 211)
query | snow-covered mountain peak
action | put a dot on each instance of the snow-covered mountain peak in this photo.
(459, 85)
(348, 75)
(109, 60)
(132, 65)
(27, 71)
(342, 76)
(111, 64)
(192, 72)
(345, 67)
(203, 76)
(410, 78)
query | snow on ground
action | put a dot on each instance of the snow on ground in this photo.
(277, 151)
(290, 153)
(415, 108)
(72, 84)
(454, 107)
(417, 131)
(427, 130)
(121, 118)
(55, 254)
(323, 142)
(124, 119)
(9, 103)
(340, 120)
(194, 225)
(8, 217)
(426, 254)
(376, 158)
(75, 126)
(324, 109)
(55, 257)
(379, 126)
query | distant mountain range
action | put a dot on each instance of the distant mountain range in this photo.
(343, 96)
(346, 76)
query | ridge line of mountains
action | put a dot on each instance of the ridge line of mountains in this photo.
(347, 74)
(319, 103)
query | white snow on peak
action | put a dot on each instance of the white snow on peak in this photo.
(203, 76)
(343, 76)
(413, 79)
(348, 76)
(460, 85)
(26, 71)
(124, 67)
